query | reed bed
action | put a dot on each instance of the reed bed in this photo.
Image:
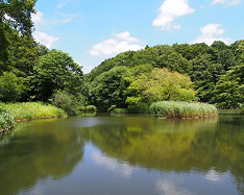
(184, 110)
(32, 110)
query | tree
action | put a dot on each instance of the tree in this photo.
(14, 14)
(11, 87)
(108, 88)
(230, 89)
(159, 85)
(54, 71)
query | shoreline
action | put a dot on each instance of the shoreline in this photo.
(4, 131)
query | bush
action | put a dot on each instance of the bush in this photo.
(242, 111)
(6, 120)
(89, 109)
(68, 102)
(177, 109)
(119, 111)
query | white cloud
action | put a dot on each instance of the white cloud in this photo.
(210, 33)
(169, 11)
(227, 2)
(44, 38)
(38, 18)
(120, 42)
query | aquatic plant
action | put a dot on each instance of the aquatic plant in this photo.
(178, 109)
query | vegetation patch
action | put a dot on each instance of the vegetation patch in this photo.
(6, 121)
(32, 110)
(119, 111)
(242, 111)
(184, 110)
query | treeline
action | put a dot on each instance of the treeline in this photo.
(211, 74)
(132, 80)
(128, 83)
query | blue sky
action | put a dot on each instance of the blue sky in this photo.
(93, 30)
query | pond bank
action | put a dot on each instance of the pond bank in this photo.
(12, 113)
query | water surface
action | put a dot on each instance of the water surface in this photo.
(124, 156)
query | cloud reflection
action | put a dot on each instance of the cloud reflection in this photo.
(215, 176)
(113, 164)
(165, 187)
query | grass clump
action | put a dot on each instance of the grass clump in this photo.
(32, 110)
(185, 110)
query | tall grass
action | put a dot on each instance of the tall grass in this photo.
(32, 110)
(177, 109)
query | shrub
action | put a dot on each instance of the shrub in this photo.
(177, 109)
(68, 102)
(6, 120)
(242, 111)
(118, 111)
(91, 109)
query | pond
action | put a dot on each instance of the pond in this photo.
(131, 155)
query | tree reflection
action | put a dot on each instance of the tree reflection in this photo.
(39, 154)
(175, 145)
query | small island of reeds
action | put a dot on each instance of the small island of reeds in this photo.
(183, 110)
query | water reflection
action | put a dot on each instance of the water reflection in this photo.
(126, 155)
(35, 154)
(122, 168)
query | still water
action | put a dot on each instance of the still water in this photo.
(124, 156)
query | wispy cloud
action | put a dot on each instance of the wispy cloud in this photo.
(120, 42)
(39, 19)
(226, 2)
(210, 33)
(169, 11)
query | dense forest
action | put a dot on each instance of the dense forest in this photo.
(132, 80)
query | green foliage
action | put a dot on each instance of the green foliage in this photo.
(54, 71)
(6, 120)
(68, 102)
(242, 111)
(16, 15)
(230, 89)
(119, 111)
(32, 110)
(108, 88)
(90, 109)
(175, 109)
(159, 85)
(11, 87)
